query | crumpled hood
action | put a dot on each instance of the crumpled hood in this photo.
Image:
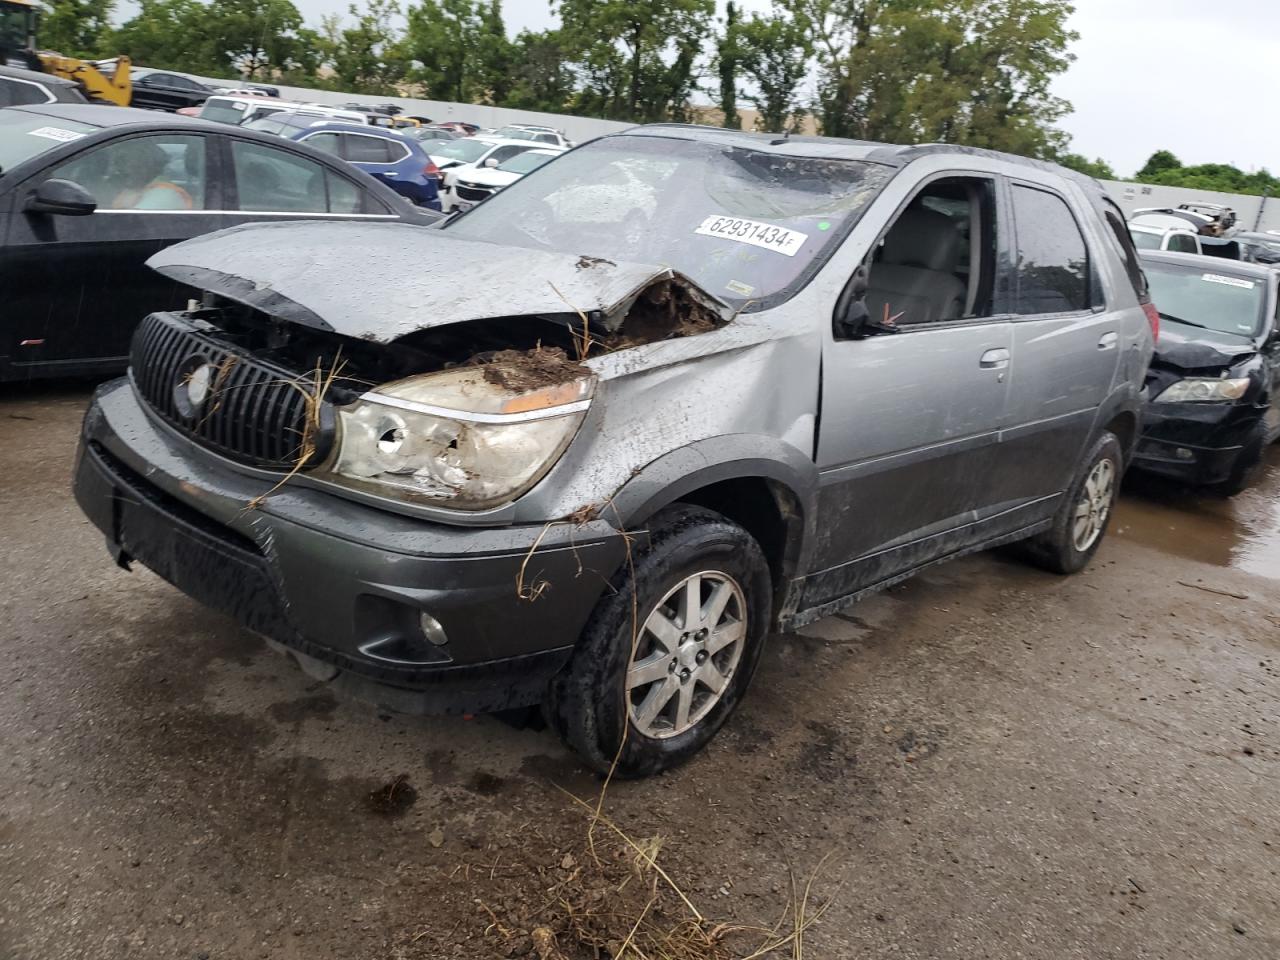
(381, 281)
(1192, 348)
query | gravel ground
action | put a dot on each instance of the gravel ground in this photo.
(995, 762)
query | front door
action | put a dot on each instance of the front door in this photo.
(910, 421)
(78, 286)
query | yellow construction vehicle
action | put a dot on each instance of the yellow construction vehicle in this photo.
(107, 81)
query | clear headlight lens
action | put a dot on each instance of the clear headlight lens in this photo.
(1204, 391)
(456, 438)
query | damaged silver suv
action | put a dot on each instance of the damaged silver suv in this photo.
(589, 443)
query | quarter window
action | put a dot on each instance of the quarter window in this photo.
(1052, 259)
(271, 180)
(344, 196)
(142, 173)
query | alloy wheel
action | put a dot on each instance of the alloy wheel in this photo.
(685, 656)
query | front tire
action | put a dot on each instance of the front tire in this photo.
(1247, 466)
(1081, 521)
(696, 596)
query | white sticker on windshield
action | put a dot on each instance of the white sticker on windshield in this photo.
(55, 133)
(766, 235)
(1229, 281)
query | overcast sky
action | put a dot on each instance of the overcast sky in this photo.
(1191, 76)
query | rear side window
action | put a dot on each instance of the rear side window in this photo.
(344, 196)
(362, 149)
(1181, 243)
(16, 93)
(1052, 260)
(274, 181)
(1124, 247)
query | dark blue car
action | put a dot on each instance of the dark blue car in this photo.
(397, 160)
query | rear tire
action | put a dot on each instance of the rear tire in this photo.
(693, 658)
(1081, 521)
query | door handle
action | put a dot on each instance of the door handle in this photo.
(1107, 341)
(390, 173)
(995, 359)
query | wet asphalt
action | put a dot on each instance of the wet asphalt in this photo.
(996, 762)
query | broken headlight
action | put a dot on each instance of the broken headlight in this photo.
(458, 437)
(1204, 391)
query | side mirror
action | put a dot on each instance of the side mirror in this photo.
(491, 162)
(849, 320)
(64, 198)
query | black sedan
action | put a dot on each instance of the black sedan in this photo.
(87, 194)
(161, 90)
(1214, 382)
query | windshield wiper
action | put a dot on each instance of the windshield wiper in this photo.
(1189, 323)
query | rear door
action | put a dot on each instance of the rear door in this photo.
(269, 183)
(1067, 340)
(79, 285)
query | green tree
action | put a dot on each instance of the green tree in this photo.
(728, 58)
(775, 58)
(540, 80)
(254, 38)
(1157, 163)
(75, 27)
(965, 71)
(460, 50)
(166, 34)
(367, 57)
(1098, 168)
(636, 59)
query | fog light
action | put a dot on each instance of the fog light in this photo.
(1182, 453)
(432, 630)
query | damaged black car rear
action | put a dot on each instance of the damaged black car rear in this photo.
(1215, 378)
(624, 419)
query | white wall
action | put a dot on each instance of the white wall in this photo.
(577, 129)
(1251, 212)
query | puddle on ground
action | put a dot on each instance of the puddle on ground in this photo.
(1242, 533)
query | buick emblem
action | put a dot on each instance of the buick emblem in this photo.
(193, 385)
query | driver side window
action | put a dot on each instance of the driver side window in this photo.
(936, 262)
(142, 173)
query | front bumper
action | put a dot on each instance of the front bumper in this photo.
(1196, 443)
(340, 584)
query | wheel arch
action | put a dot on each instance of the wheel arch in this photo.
(761, 483)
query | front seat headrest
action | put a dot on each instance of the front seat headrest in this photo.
(922, 238)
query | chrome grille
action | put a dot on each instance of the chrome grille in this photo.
(254, 412)
(472, 192)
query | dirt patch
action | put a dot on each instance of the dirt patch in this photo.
(394, 799)
(667, 309)
(606, 894)
(521, 371)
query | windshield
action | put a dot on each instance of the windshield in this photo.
(513, 133)
(744, 224)
(465, 151)
(223, 111)
(525, 162)
(1218, 301)
(26, 135)
(1145, 241)
(278, 124)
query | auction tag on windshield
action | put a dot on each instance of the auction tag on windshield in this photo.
(55, 133)
(766, 235)
(1229, 281)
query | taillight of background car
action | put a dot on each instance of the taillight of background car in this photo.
(431, 170)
